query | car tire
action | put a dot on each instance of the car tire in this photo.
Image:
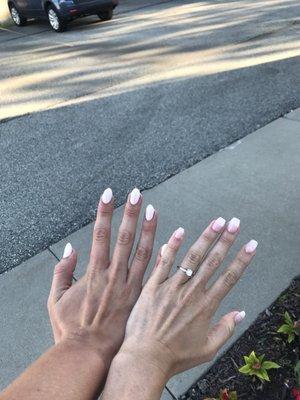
(57, 23)
(105, 15)
(18, 19)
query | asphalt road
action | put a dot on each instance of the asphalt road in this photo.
(130, 103)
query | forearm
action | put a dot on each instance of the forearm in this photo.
(133, 379)
(66, 371)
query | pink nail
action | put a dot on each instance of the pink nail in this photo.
(179, 233)
(251, 246)
(107, 196)
(233, 225)
(149, 212)
(239, 317)
(218, 224)
(135, 196)
(68, 250)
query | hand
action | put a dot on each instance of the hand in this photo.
(94, 311)
(169, 328)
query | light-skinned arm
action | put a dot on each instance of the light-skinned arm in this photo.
(169, 329)
(89, 317)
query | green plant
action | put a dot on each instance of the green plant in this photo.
(256, 366)
(289, 328)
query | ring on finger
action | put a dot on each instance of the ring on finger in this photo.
(188, 271)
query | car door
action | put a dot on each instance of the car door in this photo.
(36, 8)
(22, 6)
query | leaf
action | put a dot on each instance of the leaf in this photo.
(245, 369)
(261, 358)
(233, 395)
(252, 357)
(262, 374)
(287, 318)
(291, 337)
(285, 329)
(297, 372)
(247, 359)
(270, 365)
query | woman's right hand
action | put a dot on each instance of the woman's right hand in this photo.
(169, 328)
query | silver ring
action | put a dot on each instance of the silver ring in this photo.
(189, 272)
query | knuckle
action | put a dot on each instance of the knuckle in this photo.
(125, 237)
(59, 268)
(208, 236)
(242, 261)
(101, 234)
(214, 261)
(194, 257)
(230, 278)
(131, 211)
(105, 209)
(143, 253)
(227, 240)
(164, 261)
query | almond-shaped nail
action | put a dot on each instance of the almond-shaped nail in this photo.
(251, 246)
(163, 249)
(239, 317)
(218, 224)
(107, 196)
(179, 233)
(149, 212)
(233, 225)
(135, 196)
(68, 250)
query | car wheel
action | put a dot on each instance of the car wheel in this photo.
(105, 15)
(57, 23)
(16, 16)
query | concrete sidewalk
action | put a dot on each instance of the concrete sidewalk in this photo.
(256, 179)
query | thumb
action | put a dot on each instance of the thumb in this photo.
(63, 274)
(223, 330)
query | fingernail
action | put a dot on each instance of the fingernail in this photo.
(179, 233)
(233, 225)
(163, 249)
(149, 212)
(68, 250)
(239, 317)
(135, 196)
(251, 246)
(218, 224)
(107, 196)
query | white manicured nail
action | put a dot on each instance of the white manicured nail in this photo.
(251, 246)
(233, 225)
(179, 233)
(163, 249)
(135, 196)
(107, 196)
(218, 225)
(239, 317)
(149, 212)
(68, 250)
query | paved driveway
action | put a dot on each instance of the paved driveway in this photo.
(131, 102)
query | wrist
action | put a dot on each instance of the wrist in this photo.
(87, 351)
(149, 361)
(136, 377)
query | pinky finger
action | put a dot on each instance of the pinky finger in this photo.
(223, 330)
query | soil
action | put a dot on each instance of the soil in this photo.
(263, 339)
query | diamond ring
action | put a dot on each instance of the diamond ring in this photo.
(189, 272)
